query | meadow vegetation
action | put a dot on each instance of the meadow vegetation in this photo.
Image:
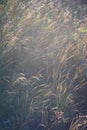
(43, 65)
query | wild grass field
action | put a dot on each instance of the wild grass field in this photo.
(43, 65)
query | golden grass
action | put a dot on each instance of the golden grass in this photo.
(79, 122)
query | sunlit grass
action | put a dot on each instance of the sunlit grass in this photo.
(47, 53)
(80, 122)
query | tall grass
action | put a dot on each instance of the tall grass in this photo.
(79, 122)
(49, 54)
